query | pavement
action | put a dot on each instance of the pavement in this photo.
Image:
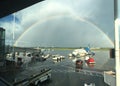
(64, 73)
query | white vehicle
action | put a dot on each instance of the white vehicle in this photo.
(46, 56)
(54, 57)
(24, 57)
(79, 52)
(29, 78)
(45, 76)
(58, 57)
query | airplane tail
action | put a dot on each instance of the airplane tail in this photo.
(87, 49)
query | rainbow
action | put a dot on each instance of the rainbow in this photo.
(76, 17)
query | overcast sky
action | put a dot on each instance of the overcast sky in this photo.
(62, 23)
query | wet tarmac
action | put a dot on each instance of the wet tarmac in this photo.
(64, 72)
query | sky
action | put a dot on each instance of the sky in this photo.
(62, 23)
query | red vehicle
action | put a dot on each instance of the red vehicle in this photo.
(91, 61)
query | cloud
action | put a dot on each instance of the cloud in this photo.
(32, 14)
(95, 11)
(11, 27)
(42, 10)
(56, 32)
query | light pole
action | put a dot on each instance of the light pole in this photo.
(13, 49)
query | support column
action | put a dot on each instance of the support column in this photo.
(117, 53)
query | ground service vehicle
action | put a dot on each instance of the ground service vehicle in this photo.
(34, 79)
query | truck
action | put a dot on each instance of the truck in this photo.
(33, 78)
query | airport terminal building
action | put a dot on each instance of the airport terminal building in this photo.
(2, 46)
